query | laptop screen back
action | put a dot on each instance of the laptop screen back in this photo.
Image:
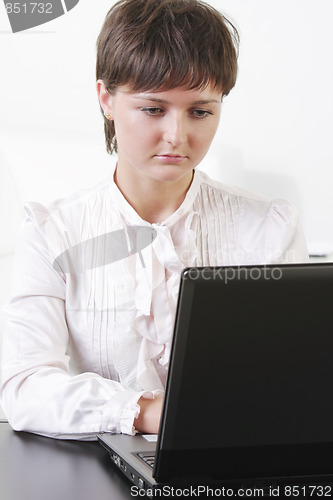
(249, 389)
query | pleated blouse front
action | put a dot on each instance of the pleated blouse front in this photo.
(90, 334)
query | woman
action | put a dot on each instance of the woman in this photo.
(89, 326)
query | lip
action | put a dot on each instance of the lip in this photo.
(170, 158)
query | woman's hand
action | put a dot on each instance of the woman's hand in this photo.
(148, 420)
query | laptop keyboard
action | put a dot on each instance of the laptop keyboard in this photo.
(148, 458)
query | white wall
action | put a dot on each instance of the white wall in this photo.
(275, 135)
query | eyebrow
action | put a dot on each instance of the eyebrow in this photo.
(164, 101)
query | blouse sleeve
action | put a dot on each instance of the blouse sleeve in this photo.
(38, 393)
(284, 237)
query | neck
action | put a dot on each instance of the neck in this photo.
(153, 200)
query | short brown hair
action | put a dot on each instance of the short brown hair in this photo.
(153, 45)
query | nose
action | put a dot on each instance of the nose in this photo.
(175, 129)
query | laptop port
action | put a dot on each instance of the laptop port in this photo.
(132, 476)
(141, 483)
(117, 460)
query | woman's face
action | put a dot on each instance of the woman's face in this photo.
(163, 135)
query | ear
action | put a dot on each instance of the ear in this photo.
(104, 98)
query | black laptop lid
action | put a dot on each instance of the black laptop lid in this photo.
(249, 390)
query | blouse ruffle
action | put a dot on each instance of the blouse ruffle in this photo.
(95, 334)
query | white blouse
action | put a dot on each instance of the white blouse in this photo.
(90, 322)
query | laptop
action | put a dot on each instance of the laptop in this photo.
(249, 392)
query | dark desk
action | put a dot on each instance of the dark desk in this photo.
(37, 468)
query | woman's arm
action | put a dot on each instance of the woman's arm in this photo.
(284, 237)
(39, 392)
(148, 420)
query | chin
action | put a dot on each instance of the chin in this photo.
(170, 173)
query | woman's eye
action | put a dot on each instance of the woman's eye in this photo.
(152, 111)
(201, 113)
